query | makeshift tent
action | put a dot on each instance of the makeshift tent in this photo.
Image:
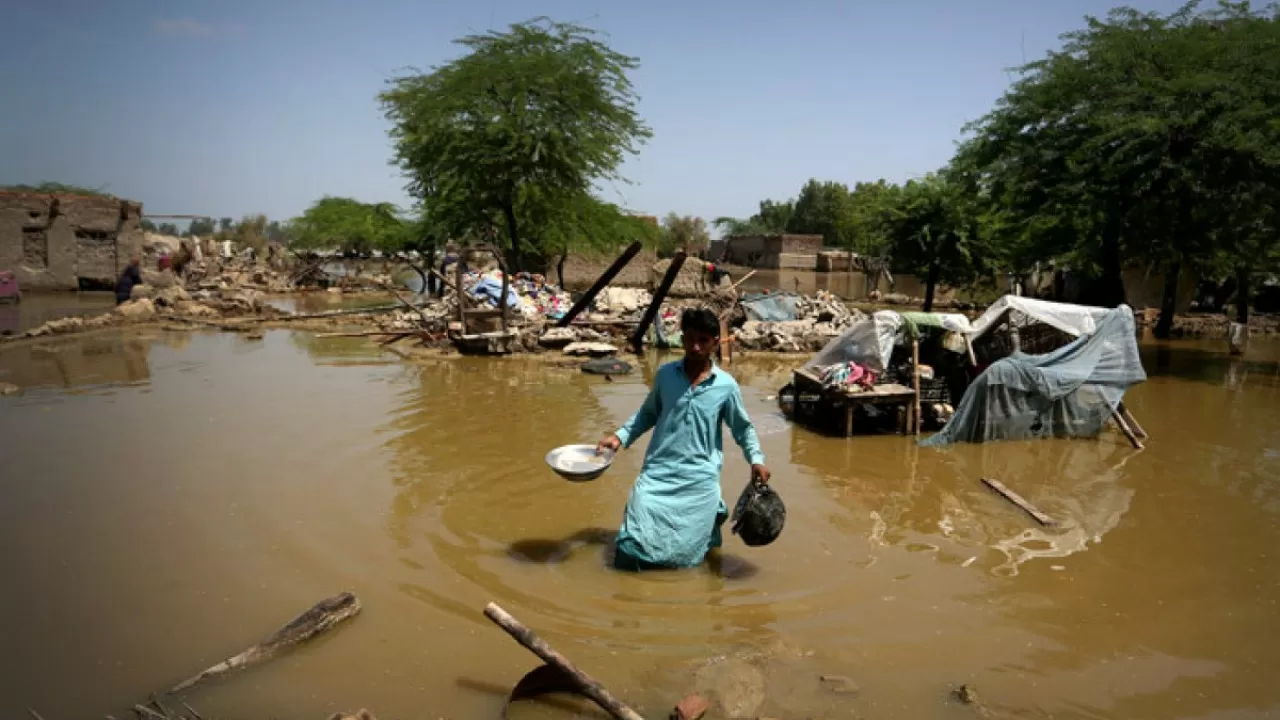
(1070, 392)
(869, 342)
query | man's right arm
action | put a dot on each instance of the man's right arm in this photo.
(640, 423)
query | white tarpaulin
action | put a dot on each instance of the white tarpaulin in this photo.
(869, 342)
(1074, 320)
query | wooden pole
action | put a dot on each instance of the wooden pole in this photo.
(1133, 422)
(589, 686)
(744, 279)
(605, 278)
(1128, 431)
(637, 338)
(915, 378)
(1016, 499)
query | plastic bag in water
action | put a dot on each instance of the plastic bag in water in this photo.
(759, 515)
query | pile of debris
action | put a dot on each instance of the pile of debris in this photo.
(811, 325)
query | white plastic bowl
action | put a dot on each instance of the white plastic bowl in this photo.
(579, 463)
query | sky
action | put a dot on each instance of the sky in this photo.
(225, 108)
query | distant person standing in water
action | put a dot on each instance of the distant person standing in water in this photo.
(675, 510)
(131, 276)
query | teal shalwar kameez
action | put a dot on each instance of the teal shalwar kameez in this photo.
(675, 511)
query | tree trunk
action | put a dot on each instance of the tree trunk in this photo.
(1242, 295)
(1111, 291)
(514, 259)
(931, 281)
(560, 268)
(1168, 303)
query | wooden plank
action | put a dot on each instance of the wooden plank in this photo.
(601, 282)
(1017, 499)
(637, 338)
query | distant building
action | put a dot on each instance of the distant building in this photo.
(774, 252)
(67, 242)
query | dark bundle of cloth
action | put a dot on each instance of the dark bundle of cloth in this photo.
(759, 515)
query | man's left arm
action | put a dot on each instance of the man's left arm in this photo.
(744, 434)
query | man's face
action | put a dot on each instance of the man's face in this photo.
(699, 344)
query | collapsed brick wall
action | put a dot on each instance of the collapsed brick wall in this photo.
(65, 242)
(582, 270)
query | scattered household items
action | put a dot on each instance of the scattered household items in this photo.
(606, 366)
(871, 378)
(1025, 368)
(1070, 391)
(9, 291)
(759, 514)
(579, 463)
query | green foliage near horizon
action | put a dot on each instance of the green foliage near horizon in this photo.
(348, 224)
(57, 188)
(503, 141)
(1147, 139)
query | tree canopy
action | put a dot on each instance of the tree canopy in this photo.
(348, 224)
(523, 125)
(1147, 138)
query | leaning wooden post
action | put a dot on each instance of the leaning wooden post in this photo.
(637, 339)
(1128, 431)
(915, 377)
(605, 278)
(589, 686)
(1133, 422)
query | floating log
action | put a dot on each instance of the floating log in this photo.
(605, 278)
(637, 338)
(322, 617)
(585, 683)
(1017, 499)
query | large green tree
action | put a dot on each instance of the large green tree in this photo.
(1126, 145)
(349, 225)
(826, 209)
(526, 121)
(772, 218)
(683, 232)
(936, 232)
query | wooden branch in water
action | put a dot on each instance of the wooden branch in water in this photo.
(322, 617)
(34, 714)
(588, 686)
(363, 333)
(1016, 499)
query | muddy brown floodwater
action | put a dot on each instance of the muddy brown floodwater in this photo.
(169, 499)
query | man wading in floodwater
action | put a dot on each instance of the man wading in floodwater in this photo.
(675, 511)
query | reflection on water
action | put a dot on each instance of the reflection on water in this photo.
(221, 485)
(37, 309)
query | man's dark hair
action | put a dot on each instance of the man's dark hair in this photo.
(700, 320)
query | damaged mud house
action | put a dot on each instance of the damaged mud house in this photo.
(67, 242)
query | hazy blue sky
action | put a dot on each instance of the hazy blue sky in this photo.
(228, 107)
